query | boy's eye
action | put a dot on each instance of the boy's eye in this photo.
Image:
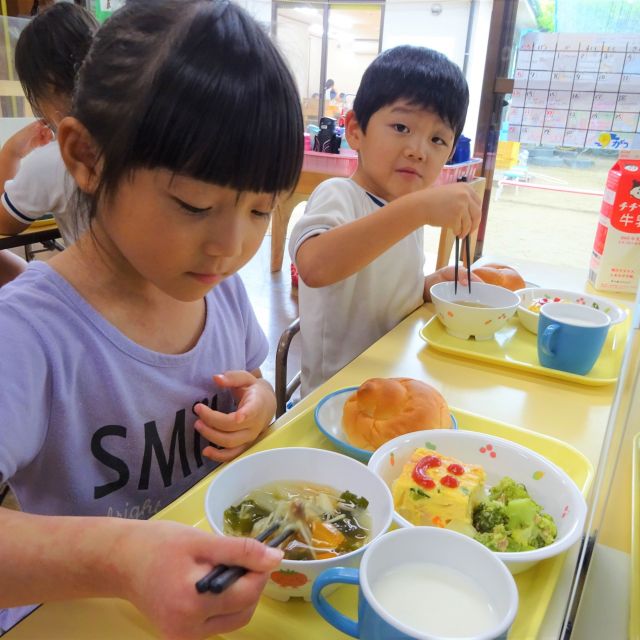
(400, 128)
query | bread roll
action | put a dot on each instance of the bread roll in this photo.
(501, 275)
(383, 408)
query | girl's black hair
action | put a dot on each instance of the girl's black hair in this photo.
(195, 87)
(51, 49)
(422, 77)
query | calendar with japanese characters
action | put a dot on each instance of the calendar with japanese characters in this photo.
(577, 90)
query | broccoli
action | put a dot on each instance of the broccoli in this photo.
(496, 540)
(508, 489)
(487, 515)
(509, 520)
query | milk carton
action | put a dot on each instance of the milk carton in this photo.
(615, 260)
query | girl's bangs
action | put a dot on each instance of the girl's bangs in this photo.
(232, 117)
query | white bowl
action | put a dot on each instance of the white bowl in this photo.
(328, 417)
(529, 319)
(546, 483)
(463, 321)
(295, 464)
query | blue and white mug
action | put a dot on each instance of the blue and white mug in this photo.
(419, 549)
(571, 336)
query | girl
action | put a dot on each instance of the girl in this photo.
(106, 395)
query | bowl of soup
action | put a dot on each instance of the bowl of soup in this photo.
(533, 298)
(336, 505)
(477, 314)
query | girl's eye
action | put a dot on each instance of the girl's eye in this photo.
(261, 214)
(439, 141)
(401, 128)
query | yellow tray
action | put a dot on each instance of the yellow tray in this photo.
(295, 619)
(516, 347)
(634, 608)
(43, 222)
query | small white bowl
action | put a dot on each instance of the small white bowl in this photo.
(547, 484)
(529, 319)
(463, 321)
(300, 464)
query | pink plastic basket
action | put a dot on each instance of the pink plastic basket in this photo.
(341, 164)
(453, 172)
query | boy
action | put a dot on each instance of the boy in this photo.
(49, 52)
(359, 245)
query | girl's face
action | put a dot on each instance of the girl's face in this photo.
(180, 234)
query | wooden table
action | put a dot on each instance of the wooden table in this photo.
(572, 412)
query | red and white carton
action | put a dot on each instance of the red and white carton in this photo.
(615, 259)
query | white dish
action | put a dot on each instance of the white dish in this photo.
(529, 319)
(547, 484)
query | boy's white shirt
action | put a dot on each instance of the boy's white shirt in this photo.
(43, 185)
(340, 321)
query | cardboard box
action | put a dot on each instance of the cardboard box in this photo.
(615, 259)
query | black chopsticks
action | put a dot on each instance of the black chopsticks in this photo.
(467, 252)
(223, 576)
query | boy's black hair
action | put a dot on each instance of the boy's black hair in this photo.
(421, 76)
(195, 87)
(51, 49)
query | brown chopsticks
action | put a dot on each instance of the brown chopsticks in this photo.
(467, 252)
(223, 576)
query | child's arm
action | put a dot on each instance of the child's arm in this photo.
(153, 564)
(12, 152)
(237, 431)
(336, 254)
(11, 266)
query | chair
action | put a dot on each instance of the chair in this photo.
(284, 391)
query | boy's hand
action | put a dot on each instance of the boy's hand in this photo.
(454, 206)
(236, 431)
(34, 135)
(160, 562)
(446, 274)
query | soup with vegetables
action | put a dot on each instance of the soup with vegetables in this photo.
(327, 523)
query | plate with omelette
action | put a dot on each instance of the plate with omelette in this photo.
(358, 420)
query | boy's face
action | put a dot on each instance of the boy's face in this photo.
(403, 150)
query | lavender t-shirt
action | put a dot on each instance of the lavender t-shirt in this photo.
(92, 423)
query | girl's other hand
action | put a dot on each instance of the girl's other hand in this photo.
(447, 274)
(34, 135)
(162, 561)
(236, 431)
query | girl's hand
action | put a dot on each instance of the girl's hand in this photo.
(236, 431)
(160, 562)
(447, 274)
(454, 206)
(34, 135)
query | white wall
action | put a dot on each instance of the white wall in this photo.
(412, 22)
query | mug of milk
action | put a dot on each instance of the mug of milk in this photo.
(424, 583)
(571, 336)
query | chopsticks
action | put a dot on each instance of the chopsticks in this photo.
(467, 251)
(223, 576)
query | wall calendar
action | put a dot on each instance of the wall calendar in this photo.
(577, 90)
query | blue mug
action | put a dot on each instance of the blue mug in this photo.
(410, 547)
(571, 336)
